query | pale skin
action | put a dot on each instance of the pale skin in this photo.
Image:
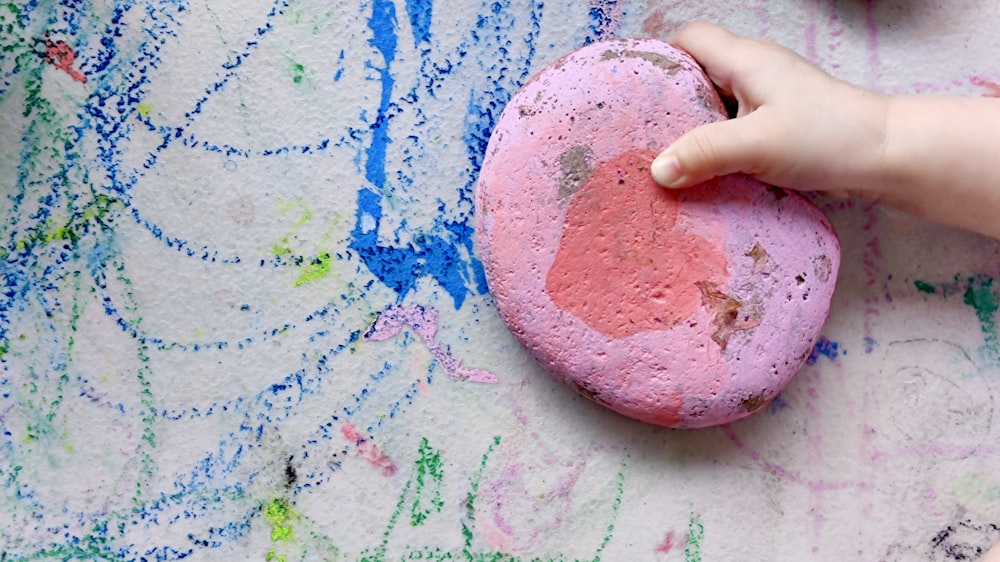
(800, 128)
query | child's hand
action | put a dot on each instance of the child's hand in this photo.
(796, 126)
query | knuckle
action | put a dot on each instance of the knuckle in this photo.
(704, 152)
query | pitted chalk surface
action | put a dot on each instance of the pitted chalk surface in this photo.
(680, 308)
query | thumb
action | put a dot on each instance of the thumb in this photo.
(715, 149)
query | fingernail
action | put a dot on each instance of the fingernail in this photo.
(666, 170)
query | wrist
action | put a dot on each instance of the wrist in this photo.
(940, 160)
(896, 168)
(872, 170)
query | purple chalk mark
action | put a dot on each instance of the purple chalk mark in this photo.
(423, 322)
(816, 486)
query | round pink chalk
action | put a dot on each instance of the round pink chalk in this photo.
(681, 308)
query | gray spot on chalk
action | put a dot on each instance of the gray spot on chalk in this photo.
(656, 59)
(576, 168)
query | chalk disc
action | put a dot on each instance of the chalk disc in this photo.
(685, 308)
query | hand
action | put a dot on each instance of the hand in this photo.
(796, 126)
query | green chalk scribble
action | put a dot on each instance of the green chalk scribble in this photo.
(279, 513)
(615, 508)
(429, 465)
(318, 268)
(312, 268)
(696, 534)
(979, 293)
(924, 287)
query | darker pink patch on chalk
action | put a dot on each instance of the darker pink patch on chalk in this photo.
(623, 266)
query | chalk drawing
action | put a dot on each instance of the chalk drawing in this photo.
(423, 321)
(223, 227)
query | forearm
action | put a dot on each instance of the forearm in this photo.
(942, 160)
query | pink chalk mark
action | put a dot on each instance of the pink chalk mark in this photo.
(61, 56)
(794, 477)
(423, 322)
(811, 54)
(874, 63)
(871, 259)
(368, 450)
(667, 544)
(763, 14)
(507, 494)
(992, 88)
(938, 451)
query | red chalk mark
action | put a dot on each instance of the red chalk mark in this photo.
(667, 544)
(992, 88)
(622, 267)
(655, 26)
(368, 450)
(660, 23)
(61, 56)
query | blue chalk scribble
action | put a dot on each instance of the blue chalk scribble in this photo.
(825, 348)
